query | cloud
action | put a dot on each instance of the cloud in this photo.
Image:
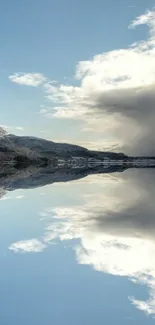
(28, 79)
(148, 18)
(28, 246)
(4, 196)
(19, 197)
(19, 128)
(5, 129)
(147, 306)
(92, 145)
(116, 93)
(115, 230)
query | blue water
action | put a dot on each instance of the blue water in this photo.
(80, 252)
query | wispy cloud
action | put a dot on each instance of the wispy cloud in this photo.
(92, 145)
(4, 129)
(147, 19)
(28, 79)
(19, 128)
(19, 197)
(4, 196)
(28, 246)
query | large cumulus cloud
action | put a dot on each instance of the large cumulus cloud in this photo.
(116, 93)
(114, 229)
(113, 93)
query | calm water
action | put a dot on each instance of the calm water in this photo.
(81, 252)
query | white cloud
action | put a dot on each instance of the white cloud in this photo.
(116, 93)
(28, 79)
(43, 110)
(92, 145)
(3, 197)
(113, 233)
(147, 19)
(147, 306)
(115, 229)
(131, 257)
(4, 129)
(19, 128)
(28, 246)
(19, 197)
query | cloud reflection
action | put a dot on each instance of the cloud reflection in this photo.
(115, 228)
(28, 246)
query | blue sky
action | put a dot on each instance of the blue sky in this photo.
(44, 44)
(51, 38)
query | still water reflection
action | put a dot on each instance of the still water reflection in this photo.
(81, 252)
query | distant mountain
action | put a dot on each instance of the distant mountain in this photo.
(27, 162)
(33, 176)
(22, 149)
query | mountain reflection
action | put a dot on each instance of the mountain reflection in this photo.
(114, 229)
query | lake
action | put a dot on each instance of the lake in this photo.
(79, 252)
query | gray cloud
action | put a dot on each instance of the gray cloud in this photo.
(115, 229)
(116, 95)
(134, 111)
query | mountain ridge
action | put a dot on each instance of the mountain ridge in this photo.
(28, 162)
(34, 148)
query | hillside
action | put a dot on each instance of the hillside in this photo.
(21, 149)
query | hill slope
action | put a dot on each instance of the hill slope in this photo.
(36, 149)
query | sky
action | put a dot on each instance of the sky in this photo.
(81, 72)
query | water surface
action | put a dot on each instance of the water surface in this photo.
(79, 252)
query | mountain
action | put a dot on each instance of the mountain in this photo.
(28, 162)
(33, 176)
(2, 132)
(23, 149)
